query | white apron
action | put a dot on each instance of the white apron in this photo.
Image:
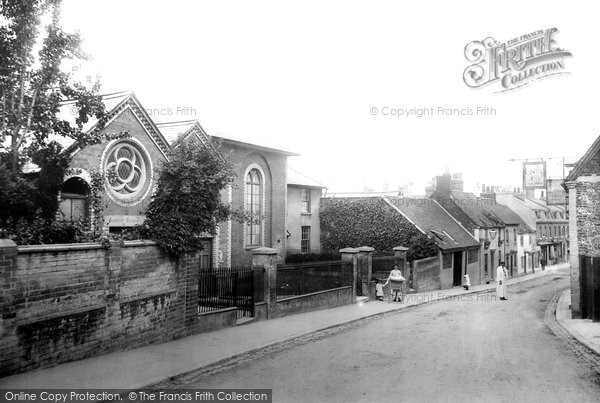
(501, 277)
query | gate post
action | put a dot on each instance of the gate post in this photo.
(267, 258)
(351, 255)
(365, 262)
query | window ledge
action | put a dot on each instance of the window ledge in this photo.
(305, 213)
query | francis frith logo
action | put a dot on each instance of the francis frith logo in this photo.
(514, 63)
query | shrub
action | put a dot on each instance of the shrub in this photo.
(187, 203)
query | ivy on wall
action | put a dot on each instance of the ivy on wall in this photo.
(370, 222)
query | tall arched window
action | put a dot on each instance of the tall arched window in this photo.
(254, 191)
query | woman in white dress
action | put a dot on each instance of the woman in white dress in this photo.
(396, 281)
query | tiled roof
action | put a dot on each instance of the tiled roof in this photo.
(430, 217)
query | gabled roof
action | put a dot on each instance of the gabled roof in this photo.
(509, 217)
(436, 222)
(476, 208)
(297, 178)
(583, 161)
(176, 132)
(115, 104)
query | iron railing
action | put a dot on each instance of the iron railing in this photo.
(226, 287)
(306, 278)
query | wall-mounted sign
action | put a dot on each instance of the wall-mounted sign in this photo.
(124, 220)
(534, 175)
(555, 194)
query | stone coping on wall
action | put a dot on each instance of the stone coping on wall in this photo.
(224, 310)
(313, 294)
(78, 246)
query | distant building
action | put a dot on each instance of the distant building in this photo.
(303, 198)
(456, 183)
(495, 226)
(459, 252)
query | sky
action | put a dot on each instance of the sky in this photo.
(307, 76)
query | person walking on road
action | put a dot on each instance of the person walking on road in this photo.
(501, 277)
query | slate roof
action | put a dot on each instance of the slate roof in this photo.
(509, 217)
(431, 218)
(477, 208)
(297, 178)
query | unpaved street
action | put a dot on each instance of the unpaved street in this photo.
(477, 348)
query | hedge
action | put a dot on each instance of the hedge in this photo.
(354, 222)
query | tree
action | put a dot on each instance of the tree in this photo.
(33, 87)
(187, 203)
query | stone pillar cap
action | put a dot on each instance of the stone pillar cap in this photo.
(400, 248)
(7, 243)
(366, 249)
(349, 250)
(264, 251)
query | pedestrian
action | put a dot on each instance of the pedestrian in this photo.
(467, 282)
(396, 280)
(379, 290)
(501, 277)
(543, 263)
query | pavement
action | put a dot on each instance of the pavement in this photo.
(583, 330)
(147, 365)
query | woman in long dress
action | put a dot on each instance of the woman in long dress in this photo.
(501, 277)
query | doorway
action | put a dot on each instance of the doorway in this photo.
(458, 265)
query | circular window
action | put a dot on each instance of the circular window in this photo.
(130, 169)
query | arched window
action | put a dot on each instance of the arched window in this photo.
(254, 195)
(74, 199)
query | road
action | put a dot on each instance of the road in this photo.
(469, 349)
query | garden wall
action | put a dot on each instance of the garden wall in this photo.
(426, 274)
(60, 303)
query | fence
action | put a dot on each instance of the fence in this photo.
(383, 265)
(589, 283)
(226, 287)
(306, 278)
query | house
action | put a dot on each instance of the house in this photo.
(459, 251)
(583, 202)
(519, 239)
(496, 226)
(259, 185)
(387, 221)
(550, 224)
(303, 228)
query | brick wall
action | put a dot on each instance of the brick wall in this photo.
(274, 168)
(66, 302)
(426, 274)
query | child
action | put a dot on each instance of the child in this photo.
(379, 290)
(467, 282)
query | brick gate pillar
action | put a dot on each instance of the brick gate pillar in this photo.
(351, 255)
(8, 287)
(365, 266)
(267, 258)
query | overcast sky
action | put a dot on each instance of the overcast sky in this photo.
(304, 76)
